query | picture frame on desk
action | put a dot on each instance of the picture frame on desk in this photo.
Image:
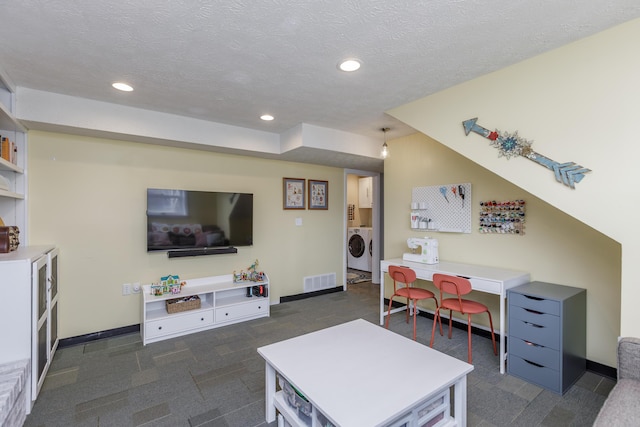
(293, 193)
(318, 194)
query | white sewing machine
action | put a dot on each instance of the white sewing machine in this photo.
(428, 253)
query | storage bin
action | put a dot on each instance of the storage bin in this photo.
(323, 421)
(177, 305)
(296, 400)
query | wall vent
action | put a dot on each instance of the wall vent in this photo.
(319, 282)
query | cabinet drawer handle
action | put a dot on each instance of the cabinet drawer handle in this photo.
(532, 344)
(202, 319)
(534, 298)
(533, 324)
(226, 314)
(259, 307)
(528, 310)
(533, 363)
(159, 327)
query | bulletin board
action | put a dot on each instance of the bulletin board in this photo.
(446, 208)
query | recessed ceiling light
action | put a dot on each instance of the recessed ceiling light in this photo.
(122, 86)
(349, 65)
(266, 117)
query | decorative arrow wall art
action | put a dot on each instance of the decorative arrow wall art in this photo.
(511, 144)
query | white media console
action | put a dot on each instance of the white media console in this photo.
(223, 302)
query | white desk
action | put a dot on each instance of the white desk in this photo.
(483, 279)
(345, 372)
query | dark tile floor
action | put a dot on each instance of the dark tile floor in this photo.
(216, 378)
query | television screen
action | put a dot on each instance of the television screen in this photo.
(183, 219)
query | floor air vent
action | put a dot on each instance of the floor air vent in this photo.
(319, 282)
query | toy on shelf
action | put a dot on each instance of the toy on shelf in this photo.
(169, 284)
(251, 275)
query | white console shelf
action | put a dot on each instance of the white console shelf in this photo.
(223, 302)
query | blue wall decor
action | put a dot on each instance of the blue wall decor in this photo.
(511, 144)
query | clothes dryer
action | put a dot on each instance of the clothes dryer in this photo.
(358, 248)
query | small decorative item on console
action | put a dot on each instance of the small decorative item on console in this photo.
(9, 238)
(169, 284)
(168, 281)
(252, 275)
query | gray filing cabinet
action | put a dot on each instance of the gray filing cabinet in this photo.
(547, 334)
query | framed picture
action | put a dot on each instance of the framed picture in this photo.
(318, 194)
(293, 196)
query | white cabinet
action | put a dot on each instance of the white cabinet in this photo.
(222, 302)
(365, 192)
(29, 314)
(12, 197)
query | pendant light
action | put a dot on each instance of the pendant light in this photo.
(385, 148)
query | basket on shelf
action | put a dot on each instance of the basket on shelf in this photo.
(177, 305)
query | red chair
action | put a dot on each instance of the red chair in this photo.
(407, 276)
(459, 286)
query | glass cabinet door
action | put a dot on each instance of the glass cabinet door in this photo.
(40, 349)
(52, 277)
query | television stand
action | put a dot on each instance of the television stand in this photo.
(222, 302)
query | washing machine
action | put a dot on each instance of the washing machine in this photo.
(370, 254)
(359, 244)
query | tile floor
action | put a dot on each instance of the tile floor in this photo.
(216, 378)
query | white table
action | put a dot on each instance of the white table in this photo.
(350, 374)
(483, 279)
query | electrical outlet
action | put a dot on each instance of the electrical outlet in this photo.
(126, 289)
(136, 288)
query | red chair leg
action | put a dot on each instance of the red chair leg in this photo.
(415, 302)
(386, 323)
(450, 322)
(469, 336)
(493, 337)
(436, 316)
(408, 308)
(433, 329)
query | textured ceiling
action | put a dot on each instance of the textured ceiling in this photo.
(231, 61)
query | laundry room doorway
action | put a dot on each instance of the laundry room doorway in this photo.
(362, 227)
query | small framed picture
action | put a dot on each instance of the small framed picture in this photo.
(293, 193)
(318, 194)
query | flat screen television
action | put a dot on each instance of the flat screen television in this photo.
(184, 219)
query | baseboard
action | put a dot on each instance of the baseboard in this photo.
(306, 295)
(595, 367)
(83, 339)
(603, 370)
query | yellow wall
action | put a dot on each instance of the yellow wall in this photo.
(577, 104)
(555, 248)
(88, 197)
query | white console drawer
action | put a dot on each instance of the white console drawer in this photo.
(484, 285)
(236, 311)
(178, 322)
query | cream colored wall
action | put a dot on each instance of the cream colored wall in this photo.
(88, 197)
(555, 248)
(578, 103)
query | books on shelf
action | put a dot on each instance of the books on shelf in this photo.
(8, 150)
